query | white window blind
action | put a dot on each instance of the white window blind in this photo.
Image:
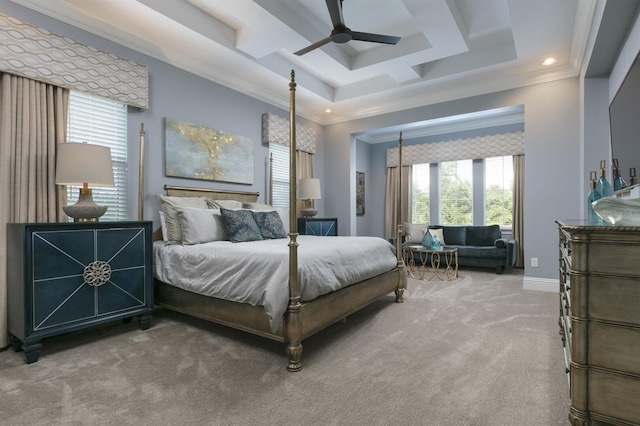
(101, 121)
(280, 174)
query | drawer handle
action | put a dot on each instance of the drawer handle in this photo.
(97, 273)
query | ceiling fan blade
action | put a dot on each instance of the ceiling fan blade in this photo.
(335, 11)
(313, 46)
(376, 38)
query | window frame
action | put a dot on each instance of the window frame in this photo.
(101, 121)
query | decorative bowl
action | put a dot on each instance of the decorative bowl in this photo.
(618, 211)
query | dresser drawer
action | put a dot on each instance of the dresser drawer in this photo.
(615, 347)
(615, 299)
(614, 396)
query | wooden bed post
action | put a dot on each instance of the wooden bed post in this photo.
(399, 252)
(141, 175)
(270, 179)
(292, 320)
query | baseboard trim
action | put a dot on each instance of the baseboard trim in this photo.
(540, 284)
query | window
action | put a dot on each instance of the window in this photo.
(280, 174)
(420, 197)
(452, 192)
(456, 193)
(101, 121)
(498, 191)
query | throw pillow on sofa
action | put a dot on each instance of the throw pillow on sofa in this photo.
(437, 233)
(414, 232)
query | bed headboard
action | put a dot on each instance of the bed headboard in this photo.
(213, 194)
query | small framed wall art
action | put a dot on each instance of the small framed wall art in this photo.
(359, 193)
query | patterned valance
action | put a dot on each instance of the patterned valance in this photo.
(41, 55)
(461, 149)
(275, 129)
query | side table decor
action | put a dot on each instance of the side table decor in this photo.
(618, 211)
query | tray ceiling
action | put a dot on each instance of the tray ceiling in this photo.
(450, 49)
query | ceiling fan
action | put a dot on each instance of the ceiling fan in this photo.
(342, 34)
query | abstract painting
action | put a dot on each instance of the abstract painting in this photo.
(359, 193)
(199, 152)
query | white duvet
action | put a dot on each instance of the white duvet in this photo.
(257, 272)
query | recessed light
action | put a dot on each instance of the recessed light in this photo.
(327, 110)
(549, 61)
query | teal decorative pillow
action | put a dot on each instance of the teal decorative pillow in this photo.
(240, 225)
(270, 224)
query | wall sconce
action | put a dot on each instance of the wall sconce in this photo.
(309, 189)
(83, 164)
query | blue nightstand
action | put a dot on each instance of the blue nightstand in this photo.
(63, 277)
(318, 226)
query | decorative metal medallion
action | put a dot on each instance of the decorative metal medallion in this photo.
(97, 273)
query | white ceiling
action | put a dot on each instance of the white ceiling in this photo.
(450, 49)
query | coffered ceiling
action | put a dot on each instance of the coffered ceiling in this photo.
(449, 49)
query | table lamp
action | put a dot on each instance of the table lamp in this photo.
(309, 189)
(83, 164)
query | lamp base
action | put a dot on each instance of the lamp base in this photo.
(309, 212)
(85, 210)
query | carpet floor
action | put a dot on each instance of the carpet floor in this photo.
(478, 350)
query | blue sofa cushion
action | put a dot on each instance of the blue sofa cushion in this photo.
(486, 252)
(455, 235)
(482, 235)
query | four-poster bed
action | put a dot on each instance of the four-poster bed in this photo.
(306, 310)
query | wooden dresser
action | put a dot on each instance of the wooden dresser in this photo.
(600, 321)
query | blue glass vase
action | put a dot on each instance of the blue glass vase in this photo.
(618, 182)
(593, 195)
(602, 185)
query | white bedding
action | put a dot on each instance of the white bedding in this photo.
(257, 272)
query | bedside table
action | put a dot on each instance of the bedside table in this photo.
(63, 277)
(318, 226)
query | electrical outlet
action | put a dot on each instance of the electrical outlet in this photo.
(534, 262)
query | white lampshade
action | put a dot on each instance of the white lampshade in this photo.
(83, 164)
(80, 163)
(309, 189)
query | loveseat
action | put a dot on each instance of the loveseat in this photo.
(477, 245)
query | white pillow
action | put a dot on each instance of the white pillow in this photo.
(225, 204)
(163, 226)
(168, 204)
(437, 233)
(200, 225)
(414, 232)
(256, 206)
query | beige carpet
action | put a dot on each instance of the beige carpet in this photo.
(475, 351)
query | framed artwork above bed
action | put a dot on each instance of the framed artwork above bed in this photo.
(199, 152)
